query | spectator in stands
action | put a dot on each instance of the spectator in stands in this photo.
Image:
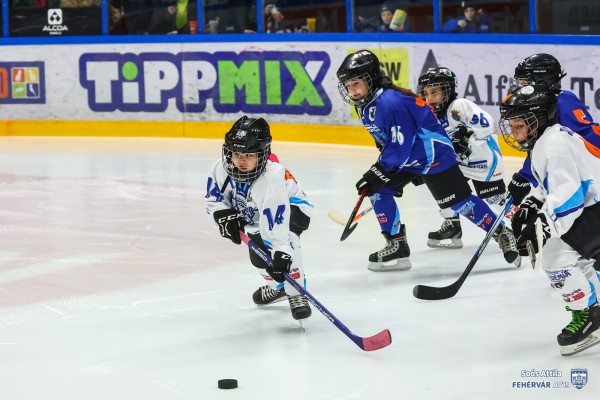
(385, 22)
(395, 21)
(473, 21)
(169, 20)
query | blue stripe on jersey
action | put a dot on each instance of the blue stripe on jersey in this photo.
(575, 202)
(296, 200)
(495, 151)
(429, 138)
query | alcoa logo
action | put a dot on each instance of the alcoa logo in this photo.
(55, 22)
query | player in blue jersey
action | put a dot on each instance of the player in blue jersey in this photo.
(544, 69)
(413, 144)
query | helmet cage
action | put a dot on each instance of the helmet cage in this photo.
(366, 77)
(533, 122)
(240, 176)
(448, 91)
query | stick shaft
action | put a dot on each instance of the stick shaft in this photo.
(376, 342)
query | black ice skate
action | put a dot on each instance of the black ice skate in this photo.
(299, 306)
(394, 256)
(448, 236)
(582, 332)
(508, 244)
(267, 295)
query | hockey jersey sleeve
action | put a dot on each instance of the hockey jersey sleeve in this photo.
(564, 186)
(573, 114)
(215, 199)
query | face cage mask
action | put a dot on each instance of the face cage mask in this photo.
(362, 101)
(244, 177)
(532, 123)
(447, 93)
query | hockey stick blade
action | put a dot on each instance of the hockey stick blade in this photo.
(425, 292)
(349, 227)
(376, 342)
(339, 218)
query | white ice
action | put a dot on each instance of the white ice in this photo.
(114, 286)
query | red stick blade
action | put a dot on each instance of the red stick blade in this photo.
(379, 341)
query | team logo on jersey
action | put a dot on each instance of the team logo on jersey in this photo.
(579, 377)
(372, 113)
(455, 115)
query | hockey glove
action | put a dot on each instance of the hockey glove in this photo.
(374, 179)
(518, 188)
(282, 262)
(230, 223)
(460, 141)
(524, 217)
(528, 233)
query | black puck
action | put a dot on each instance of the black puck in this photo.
(227, 384)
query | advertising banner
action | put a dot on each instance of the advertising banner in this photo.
(291, 83)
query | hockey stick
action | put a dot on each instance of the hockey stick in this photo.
(539, 235)
(439, 293)
(376, 342)
(339, 218)
(348, 229)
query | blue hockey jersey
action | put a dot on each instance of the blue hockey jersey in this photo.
(408, 134)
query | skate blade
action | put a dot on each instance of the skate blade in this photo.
(445, 244)
(301, 322)
(586, 343)
(517, 262)
(402, 264)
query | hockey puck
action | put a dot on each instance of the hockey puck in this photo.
(227, 384)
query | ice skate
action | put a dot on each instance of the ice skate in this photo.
(448, 236)
(582, 332)
(267, 295)
(508, 244)
(394, 256)
(299, 306)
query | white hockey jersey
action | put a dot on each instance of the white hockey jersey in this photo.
(567, 169)
(485, 162)
(265, 203)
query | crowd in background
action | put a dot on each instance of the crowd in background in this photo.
(140, 17)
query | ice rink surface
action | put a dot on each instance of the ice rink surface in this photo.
(114, 286)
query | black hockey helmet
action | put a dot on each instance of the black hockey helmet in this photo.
(534, 107)
(440, 77)
(247, 135)
(539, 69)
(363, 65)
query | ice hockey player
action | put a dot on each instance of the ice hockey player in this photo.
(567, 170)
(413, 144)
(247, 191)
(471, 130)
(544, 69)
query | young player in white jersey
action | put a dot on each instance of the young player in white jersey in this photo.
(247, 191)
(471, 130)
(567, 170)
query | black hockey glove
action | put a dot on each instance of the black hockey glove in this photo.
(230, 224)
(460, 141)
(282, 262)
(518, 188)
(524, 219)
(374, 179)
(528, 233)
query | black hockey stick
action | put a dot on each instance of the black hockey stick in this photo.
(439, 293)
(376, 342)
(349, 229)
